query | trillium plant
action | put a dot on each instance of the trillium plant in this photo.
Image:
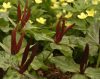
(50, 39)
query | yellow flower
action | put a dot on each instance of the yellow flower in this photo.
(64, 11)
(62, 0)
(41, 20)
(55, 5)
(95, 2)
(82, 16)
(6, 5)
(3, 10)
(38, 1)
(90, 12)
(68, 23)
(30, 21)
(59, 15)
(68, 15)
(86, 1)
(64, 4)
(53, 1)
(70, 1)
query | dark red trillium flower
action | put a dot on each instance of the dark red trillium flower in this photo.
(84, 59)
(61, 29)
(25, 16)
(26, 62)
(15, 47)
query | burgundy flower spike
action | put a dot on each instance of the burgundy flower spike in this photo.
(26, 14)
(26, 62)
(23, 18)
(84, 59)
(15, 47)
(61, 29)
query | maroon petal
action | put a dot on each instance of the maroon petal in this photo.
(58, 31)
(20, 42)
(25, 54)
(29, 61)
(58, 38)
(27, 16)
(63, 25)
(68, 28)
(24, 14)
(13, 41)
(84, 59)
(19, 11)
(23, 19)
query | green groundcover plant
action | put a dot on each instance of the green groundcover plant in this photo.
(49, 39)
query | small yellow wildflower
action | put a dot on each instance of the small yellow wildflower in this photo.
(70, 1)
(82, 16)
(3, 10)
(55, 5)
(62, 0)
(59, 15)
(95, 2)
(86, 1)
(64, 11)
(6, 5)
(38, 1)
(68, 15)
(41, 20)
(68, 23)
(90, 12)
(53, 1)
(30, 21)
(64, 4)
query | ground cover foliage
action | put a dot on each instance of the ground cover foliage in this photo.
(49, 39)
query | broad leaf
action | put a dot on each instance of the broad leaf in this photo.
(63, 48)
(38, 62)
(65, 64)
(5, 60)
(93, 73)
(79, 76)
(42, 36)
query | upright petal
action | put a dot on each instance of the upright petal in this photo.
(84, 59)
(19, 12)
(13, 41)
(29, 61)
(20, 42)
(25, 54)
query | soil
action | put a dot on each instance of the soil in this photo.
(2, 72)
(54, 73)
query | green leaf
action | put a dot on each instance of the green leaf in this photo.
(4, 16)
(65, 49)
(93, 39)
(7, 41)
(79, 76)
(65, 40)
(55, 46)
(5, 48)
(5, 57)
(3, 23)
(65, 63)
(93, 73)
(42, 36)
(38, 62)
(12, 74)
(93, 35)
